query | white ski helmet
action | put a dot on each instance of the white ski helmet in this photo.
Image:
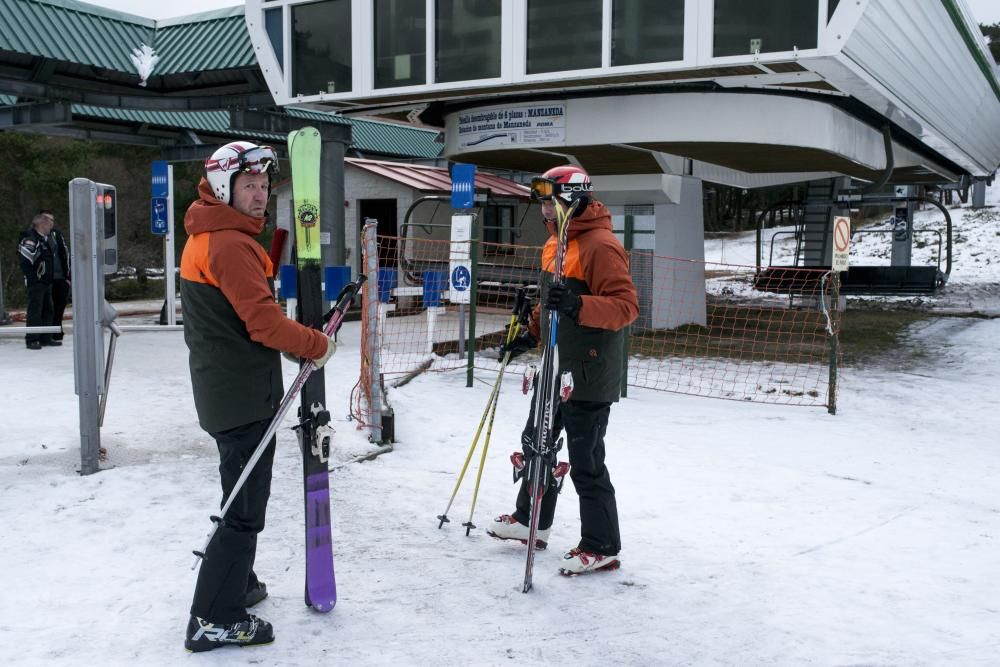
(238, 157)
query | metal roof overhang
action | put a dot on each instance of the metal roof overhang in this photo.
(740, 131)
(75, 52)
(435, 180)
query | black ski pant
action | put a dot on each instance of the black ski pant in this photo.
(585, 423)
(60, 297)
(227, 570)
(39, 311)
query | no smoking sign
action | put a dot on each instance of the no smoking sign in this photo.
(841, 242)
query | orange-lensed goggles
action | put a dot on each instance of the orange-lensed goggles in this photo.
(543, 189)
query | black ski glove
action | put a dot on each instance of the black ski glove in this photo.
(523, 342)
(564, 300)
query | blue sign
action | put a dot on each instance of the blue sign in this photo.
(161, 185)
(463, 185)
(461, 278)
(158, 216)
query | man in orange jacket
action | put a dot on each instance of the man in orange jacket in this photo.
(235, 331)
(595, 301)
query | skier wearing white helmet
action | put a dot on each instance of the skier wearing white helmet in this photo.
(235, 331)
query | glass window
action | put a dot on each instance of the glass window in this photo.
(831, 8)
(400, 43)
(272, 24)
(321, 47)
(467, 42)
(647, 31)
(777, 25)
(563, 35)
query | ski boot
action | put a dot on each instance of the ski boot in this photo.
(577, 561)
(506, 527)
(205, 636)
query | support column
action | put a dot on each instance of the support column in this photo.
(331, 202)
(902, 227)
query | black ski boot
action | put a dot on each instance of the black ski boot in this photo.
(205, 636)
(255, 594)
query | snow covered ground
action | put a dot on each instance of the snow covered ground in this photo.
(753, 534)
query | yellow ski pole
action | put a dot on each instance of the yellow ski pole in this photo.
(512, 331)
(482, 462)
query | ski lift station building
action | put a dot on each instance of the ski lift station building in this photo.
(653, 97)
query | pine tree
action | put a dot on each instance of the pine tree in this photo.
(992, 33)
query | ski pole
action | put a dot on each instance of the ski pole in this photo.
(522, 312)
(482, 463)
(490, 403)
(334, 319)
(512, 330)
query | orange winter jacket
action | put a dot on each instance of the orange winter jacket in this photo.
(596, 267)
(232, 325)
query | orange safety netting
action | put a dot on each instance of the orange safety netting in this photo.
(706, 329)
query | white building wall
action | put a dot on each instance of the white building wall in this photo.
(671, 283)
(680, 234)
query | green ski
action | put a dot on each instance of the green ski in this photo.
(313, 430)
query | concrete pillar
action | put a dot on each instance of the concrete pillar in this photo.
(979, 194)
(675, 293)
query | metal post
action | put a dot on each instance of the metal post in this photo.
(902, 229)
(112, 346)
(88, 277)
(628, 238)
(374, 339)
(331, 205)
(473, 297)
(168, 253)
(834, 333)
(19, 332)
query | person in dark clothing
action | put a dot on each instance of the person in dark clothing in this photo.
(595, 301)
(235, 332)
(60, 275)
(38, 265)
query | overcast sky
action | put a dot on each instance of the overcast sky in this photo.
(985, 11)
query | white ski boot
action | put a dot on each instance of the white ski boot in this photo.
(578, 561)
(506, 527)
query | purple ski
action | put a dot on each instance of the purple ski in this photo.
(321, 584)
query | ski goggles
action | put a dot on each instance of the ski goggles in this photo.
(543, 189)
(258, 160)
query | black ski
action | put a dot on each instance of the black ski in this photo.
(540, 464)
